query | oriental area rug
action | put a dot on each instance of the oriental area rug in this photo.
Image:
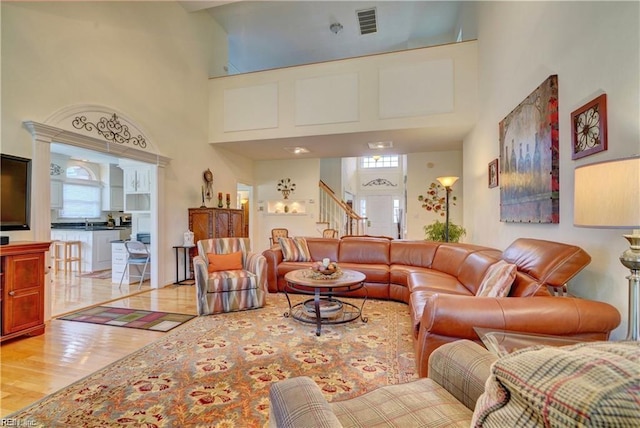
(215, 371)
(131, 318)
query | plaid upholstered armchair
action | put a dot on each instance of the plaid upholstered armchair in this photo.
(229, 277)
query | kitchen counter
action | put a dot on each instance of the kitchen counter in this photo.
(95, 244)
(83, 227)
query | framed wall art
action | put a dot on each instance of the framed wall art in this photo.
(529, 158)
(589, 128)
(493, 173)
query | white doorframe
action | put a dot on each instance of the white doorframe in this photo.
(43, 135)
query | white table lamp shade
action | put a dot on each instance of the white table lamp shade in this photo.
(607, 194)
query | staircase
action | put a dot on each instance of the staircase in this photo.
(334, 213)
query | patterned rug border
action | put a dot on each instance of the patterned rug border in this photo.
(149, 325)
(82, 402)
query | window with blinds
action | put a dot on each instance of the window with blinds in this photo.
(82, 196)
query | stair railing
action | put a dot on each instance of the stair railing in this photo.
(337, 214)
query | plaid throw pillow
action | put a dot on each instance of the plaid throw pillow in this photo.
(295, 250)
(590, 384)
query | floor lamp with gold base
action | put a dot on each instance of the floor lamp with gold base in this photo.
(607, 195)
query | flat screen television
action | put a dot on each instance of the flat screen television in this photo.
(15, 193)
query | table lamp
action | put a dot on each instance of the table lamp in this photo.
(447, 182)
(607, 195)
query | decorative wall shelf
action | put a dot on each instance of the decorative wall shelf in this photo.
(286, 207)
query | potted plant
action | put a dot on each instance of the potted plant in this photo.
(436, 232)
(433, 201)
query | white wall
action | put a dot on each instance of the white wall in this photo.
(353, 95)
(593, 47)
(305, 173)
(150, 60)
(422, 170)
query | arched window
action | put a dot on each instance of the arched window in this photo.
(81, 194)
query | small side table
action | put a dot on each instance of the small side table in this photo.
(187, 280)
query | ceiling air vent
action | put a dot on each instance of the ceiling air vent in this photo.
(367, 21)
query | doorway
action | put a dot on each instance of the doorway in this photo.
(380, 215)
(72, 291)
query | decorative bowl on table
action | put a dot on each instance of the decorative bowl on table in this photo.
(325, 270)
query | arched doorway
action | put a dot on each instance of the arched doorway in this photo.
(103, 130)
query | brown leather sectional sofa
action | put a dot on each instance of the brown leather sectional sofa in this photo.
(439, 282)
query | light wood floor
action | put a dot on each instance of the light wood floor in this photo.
(33, 367)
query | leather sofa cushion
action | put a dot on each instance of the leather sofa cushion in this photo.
(413, 253)
(364, 251)
(374, 272)
(399, 274)
(436, 282)
(553, 263)
(321, 248)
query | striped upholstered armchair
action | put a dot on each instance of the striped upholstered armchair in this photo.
(229, 277)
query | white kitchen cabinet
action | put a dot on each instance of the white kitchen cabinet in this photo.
(113, 190)
(137, 179)
(56, 194)
(113, 198)
(137, 188)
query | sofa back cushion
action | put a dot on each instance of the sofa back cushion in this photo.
(364, 250)
(451, 257)
(475, 267)
(321, 248)
(413, 253)
(543, 262)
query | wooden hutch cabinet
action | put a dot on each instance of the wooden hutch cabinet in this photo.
(22, 288)
(206, 223)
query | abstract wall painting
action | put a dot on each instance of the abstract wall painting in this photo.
(529, 158)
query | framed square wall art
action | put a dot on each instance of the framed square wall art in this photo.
(493, 173)
(529, 158)
(589, 128)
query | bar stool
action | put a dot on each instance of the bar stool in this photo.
(63, 252)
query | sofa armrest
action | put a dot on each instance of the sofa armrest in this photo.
(456, 316)
(462, 368)
(298, 402)
(274, 258)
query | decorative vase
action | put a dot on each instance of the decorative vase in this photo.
(286, 208)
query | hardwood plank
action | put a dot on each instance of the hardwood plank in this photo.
(33, 367)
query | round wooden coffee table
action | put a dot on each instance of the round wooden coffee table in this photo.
(324, 307)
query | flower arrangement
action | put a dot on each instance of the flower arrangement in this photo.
(434, 199)
(286, 186)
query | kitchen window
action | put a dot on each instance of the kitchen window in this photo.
(81, 194)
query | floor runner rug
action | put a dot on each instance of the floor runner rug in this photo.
(215, 371)
(130, 318)
(99, 274)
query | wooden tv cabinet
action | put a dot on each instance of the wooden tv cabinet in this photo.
(22, 271)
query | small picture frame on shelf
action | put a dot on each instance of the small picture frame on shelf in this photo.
(589, 128)
(493, 173)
